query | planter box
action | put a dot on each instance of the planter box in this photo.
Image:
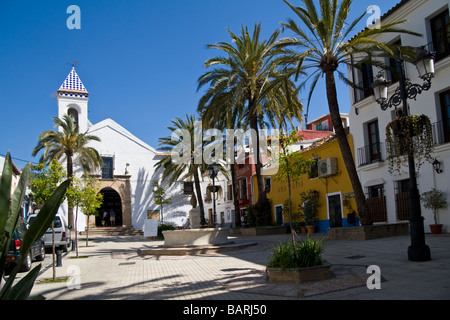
(368, 232)
(263, 231)
(299, 275)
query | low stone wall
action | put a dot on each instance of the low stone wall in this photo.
(195, 237)
(368, 232)
(263, 231)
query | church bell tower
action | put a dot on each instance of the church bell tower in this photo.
(73, 99)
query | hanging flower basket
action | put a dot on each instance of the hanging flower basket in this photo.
(408, 134)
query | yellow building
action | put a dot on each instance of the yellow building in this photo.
(330, 180)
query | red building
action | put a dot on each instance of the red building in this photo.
(244, 174)
(324, 123)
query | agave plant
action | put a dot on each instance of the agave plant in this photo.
(9, 215)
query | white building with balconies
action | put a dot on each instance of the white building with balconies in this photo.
(388, 193)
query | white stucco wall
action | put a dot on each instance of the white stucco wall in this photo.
(224, 207)
(126, 148)
(417, 14)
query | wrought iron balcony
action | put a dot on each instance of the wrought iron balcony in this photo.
(370, 154)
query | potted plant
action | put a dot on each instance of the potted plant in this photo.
(302, 227)
(346, 201)
(434, 200)
(408, 133)
(308, 208)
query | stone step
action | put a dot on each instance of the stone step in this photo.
(109, 231)
(193, 250)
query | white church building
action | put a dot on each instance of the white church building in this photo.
(127, 176)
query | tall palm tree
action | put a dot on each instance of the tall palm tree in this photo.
(176, 170)
(323, 45)
(217, 113)
(70, 144)
(250, 82)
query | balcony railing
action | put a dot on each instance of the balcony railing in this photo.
(441, 134)
(370, 154)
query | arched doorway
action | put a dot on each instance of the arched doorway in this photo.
(111, 200)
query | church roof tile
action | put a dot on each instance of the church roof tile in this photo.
(73, 83)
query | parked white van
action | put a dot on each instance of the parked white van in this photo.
(62, 232)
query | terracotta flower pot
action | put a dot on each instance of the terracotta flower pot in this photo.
(436, 228)
(311, 229)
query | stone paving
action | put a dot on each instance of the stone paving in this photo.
(111, 269)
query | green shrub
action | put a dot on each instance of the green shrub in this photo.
(251, 219)
(9, 215)
(282, 256)
(164, 227)
(308, 253)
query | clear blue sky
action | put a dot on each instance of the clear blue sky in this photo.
(139, 60)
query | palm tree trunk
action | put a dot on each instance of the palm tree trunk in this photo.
(198, 191)
(262, 206)
(258, 162)
(345, 149)
(237, 213)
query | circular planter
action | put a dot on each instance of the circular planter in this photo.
(299, 275)
(195, 237)
(436, 228)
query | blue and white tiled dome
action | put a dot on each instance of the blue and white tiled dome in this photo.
(73, 83)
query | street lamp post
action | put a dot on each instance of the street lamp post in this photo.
(418, 250)
(213, 170)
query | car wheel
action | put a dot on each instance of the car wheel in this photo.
(41, 255)
(26, 265)
(64, 248)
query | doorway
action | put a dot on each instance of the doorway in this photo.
(111, 200)
(335, 210)
(279, 214)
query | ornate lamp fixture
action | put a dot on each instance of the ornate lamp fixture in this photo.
(424, 62)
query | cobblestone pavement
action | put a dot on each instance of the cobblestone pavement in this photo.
(110, 268)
